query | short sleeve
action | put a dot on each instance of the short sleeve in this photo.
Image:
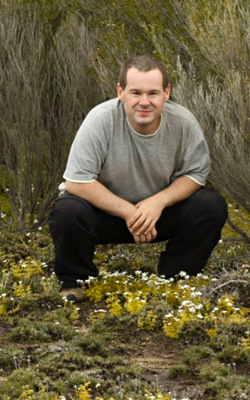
(196, 159)
(88, 150)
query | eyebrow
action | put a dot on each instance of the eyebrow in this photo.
(139, 90)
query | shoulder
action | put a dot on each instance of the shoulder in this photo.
(101, 122)
(103, 110)
(179, 114)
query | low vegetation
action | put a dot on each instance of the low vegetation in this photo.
(137, 336)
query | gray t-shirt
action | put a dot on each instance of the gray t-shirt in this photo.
(132, 165)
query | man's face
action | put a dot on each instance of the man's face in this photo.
(143, 99)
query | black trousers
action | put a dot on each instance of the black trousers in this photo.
(192, 228)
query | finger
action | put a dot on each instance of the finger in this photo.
(138, 228)
(142, 225)
(135, 217)
(146, 227)
(151, 235)
(154, 233)
(148, 237)
(143, 239)
(137, 239)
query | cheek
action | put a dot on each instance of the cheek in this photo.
(128, 106)
(160, 105)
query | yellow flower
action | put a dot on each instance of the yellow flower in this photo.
(148, 321)
(135, 302)
(83, 392)
(3, 304)
(97, 314)
(114, 305)
(21, 290)
(172, 326)
(212, 332)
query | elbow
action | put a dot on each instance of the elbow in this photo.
(68, 186)
(73, 187)
(80, 189)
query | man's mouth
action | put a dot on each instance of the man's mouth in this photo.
(147, 111)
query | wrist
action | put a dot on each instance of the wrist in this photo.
(163, 199)
(127, 210)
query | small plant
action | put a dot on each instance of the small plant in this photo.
(148, 320)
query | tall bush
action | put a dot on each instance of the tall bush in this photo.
(221, 100)
(46, 90)
(151, 27)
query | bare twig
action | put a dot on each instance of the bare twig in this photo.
(229, 282)
(244, 235)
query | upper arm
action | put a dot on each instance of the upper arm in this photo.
(196, 159)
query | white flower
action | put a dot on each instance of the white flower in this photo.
(195, 294)
(186, 303)
(184, 286)
(168, 315)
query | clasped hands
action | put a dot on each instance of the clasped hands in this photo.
(143, 220)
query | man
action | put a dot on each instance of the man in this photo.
(136, 174)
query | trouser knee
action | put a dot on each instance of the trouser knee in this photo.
(215, 206)
(199, 222)
(71, 214)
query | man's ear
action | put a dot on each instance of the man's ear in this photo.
(167, 92)
(119, 91)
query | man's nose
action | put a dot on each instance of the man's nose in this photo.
(144, 100)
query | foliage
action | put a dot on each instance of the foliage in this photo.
(221, 100)
(84, 351)
(46, 92)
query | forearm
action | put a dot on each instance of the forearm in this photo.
(181, 188)
(98, 195)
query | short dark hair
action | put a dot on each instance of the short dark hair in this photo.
(143, 63)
